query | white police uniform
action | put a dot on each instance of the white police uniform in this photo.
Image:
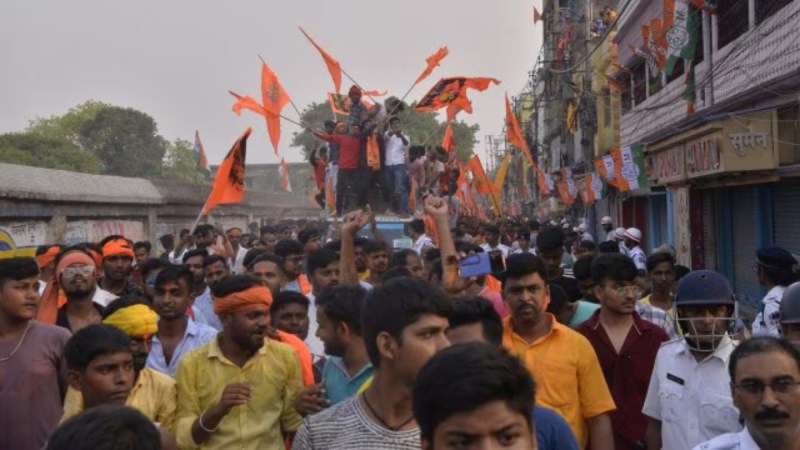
(768, 320)
(638, 257)
(731, 441)
(691, 399)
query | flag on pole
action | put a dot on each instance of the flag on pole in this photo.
(683, 35)
(482, 184)
(274, 98)
(433, 62)
(514, 134)
(283, 172)
(247, 102)
(199, 155)
(537, 16)
(333, 65)
(605, 167)
(451, 93)
(572, 118)
(229, 182)
(448, 143)
(502, 171)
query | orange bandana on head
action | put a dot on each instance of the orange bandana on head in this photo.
(254, 297)
(47, 257)
(116, 247)
(50, 302)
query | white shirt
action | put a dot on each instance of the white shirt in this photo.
(691, 399)
(396, 150)
(731, 441)
(503, 248)
(638, 257)
(768, 320)
(238, 263)
(315, 344)
(611, 236)
(423, 244)
(102, 296)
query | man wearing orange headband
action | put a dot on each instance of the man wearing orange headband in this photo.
(83, 300)
(46, 260)
(237, 391)
(117, 267)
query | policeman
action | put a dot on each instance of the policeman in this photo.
(766, 388)
(689, 397)
(790, 314)
(619, 236)
(608, 227)
(633, 237)
(775, 270)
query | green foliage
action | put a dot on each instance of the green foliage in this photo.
(125, 140)
(421, 126)
(32, 149)
(179, 163)
(67, 126)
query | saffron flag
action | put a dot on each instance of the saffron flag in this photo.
(563, 192)
(543, 182)
(199, 155)
(537, 16)
(451, 93)
(658, 43)
(683, 35)
(229, 182)
(283, 171)
(447, 142)
(274, 98)
(479, 179)
(502, 171)
(433, 61)
(273, 120)
(514, 133)
(373, 93)
(330, 195)
(333, 65)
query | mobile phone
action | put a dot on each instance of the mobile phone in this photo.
(481, 264)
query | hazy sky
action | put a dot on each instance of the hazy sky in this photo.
(176, 59)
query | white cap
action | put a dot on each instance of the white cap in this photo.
(587, 237)
(633, 234)
(582, 228)
(619, 233)
(606, 221)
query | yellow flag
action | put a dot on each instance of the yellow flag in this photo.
(502, 170)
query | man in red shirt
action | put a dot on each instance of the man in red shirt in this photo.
(626, 345)
(354, 175)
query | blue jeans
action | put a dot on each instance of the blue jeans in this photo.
(399, 176)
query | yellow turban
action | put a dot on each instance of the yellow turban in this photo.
(135, 320)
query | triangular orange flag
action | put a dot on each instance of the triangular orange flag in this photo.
(462, 102)
(514, 133)
(537, 16)
(273, 120)
(433, 61)
(274, 98)
(229, 182)
(448, 143)
(333, 65)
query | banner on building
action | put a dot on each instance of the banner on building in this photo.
(629, 168)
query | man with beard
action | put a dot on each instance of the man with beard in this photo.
(765, 374)
(236, 391)
(239, 251)
(142, 252)
(323, 271)
(101, 372)
(310, 239)
(403, 325)
(75, 274)
(269, 235)
(152, 392)
(689, 397)
(177, 333)
(360, 257)
(408, 259)
(202, 307)
(268, 268)
(117, 267)
(31, 366)
(562, 362)
(347, 367)
(377, 253)
(292, 253)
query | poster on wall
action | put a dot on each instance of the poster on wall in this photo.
(683, 241)
(94, 230)
(22, 238)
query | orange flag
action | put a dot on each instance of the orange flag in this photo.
(463, 103)
(480, 181)
(330, 195)
(514, 133)
(284, 173)
(333, 65)
(447, 142)
(373, 93)
(274, 98)
(229, 182)
(433, 61)
(451, 93)
(273, 120)
(537, 16)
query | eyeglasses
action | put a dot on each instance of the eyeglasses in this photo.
(84, 270)
(636, 291)
(781, 386)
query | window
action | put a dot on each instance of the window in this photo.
(625, 96)
(767, 8)
(640, 85)
(733, 21)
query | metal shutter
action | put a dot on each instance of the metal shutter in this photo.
(743, 208)
(787, 216)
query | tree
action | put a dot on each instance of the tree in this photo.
(125, 140)
(422, 126)
(179, 163)
(32, 149)
(67, 126)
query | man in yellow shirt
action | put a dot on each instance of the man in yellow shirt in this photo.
(152, 393)
(238, 390)
(562, 362)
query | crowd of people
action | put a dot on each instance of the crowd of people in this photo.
(370, 151)
(293, 336)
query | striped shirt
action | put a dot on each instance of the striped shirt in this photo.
(346, 426)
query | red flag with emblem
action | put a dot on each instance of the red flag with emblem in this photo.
(451, 93)
(229, 182)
